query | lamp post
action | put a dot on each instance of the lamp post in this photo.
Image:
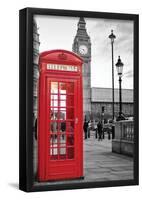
(112, 37)
(103, 109)
(119, 67)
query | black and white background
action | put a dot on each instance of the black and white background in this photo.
(100, 160)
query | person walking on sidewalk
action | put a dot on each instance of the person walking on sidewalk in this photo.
(85, 128)
(89, 128)
(99, 131)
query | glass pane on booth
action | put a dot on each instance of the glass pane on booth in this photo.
(62, 104)
(62, 88)
(62, 139)
(54, 87)
(53, 127)
(54, 114)
(53, 140)
(54, 96)
(62, 126)
(62, 151)
(54, 103)
(62, 115)
(53, 153)
(62, 97)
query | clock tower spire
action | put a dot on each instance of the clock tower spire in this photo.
(82, 46)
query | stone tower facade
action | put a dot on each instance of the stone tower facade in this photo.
(82, 46)
(36, 44)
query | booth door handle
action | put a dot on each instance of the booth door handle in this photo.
(76, 120)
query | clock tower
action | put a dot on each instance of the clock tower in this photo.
(82, 46)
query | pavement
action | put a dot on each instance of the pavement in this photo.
(103, 165)
(100, 164)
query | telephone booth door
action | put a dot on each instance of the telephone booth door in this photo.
(60, 126)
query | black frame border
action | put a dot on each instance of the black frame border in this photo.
(26, 98)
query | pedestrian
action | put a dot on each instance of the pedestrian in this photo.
(89, 128)
(85, 128)
(99, 125)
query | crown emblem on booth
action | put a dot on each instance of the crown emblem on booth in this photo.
(62, 56)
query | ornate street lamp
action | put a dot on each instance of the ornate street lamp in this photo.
(119, 67)
(112, 37)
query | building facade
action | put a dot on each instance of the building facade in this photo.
(82, 46)
(36, 44)
(102, 97)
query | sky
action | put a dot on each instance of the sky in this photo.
(58, 32)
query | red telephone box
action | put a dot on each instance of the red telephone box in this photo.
(60, 115)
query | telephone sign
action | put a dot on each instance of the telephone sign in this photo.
(62, 67)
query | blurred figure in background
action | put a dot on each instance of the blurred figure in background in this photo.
(85, 127)
(89, 128)
(99, 125)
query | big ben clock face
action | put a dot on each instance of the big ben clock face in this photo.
(83, 49)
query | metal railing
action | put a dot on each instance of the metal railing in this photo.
(127, 130)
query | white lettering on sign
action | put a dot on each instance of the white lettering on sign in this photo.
(70, 68)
